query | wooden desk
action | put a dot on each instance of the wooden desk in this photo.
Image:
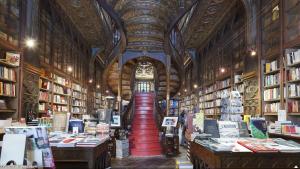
(81, 157)
(203, 158)
(285, 136)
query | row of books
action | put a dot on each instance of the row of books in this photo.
(61, 90)
(293, 57)
(271, 66)
(294, 106)
(223, 84)
(271, 94)
(45, 84)
(60, 108)
(222, 93)
(97, 95)
(209, 104)
(61, 80)
(209, 111)
(271, 107)
(76, 87)
(42, 107)
(59, 99)
(78, 103)
(210, 89)
(209, 97)
(76, 94)
(8, 89)
(76, 110)
(271, 80)
(44, 96)
(293, 74)
(7, 73)
(294, 90)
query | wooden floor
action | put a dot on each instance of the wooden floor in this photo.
(158, 162)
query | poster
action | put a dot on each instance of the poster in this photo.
(170, 122)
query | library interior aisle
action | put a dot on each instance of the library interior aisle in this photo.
(144, 84)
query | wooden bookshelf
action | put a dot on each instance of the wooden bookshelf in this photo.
(9, 84)
(292, 90)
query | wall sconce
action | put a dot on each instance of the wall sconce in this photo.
(222, 70)
(98, 86)
(195, 86)
(253, 52)
(185, 90)
(91, 81)
(30, 43)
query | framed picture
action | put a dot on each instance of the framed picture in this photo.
(115, 121)
(170, 121)
(13, 58)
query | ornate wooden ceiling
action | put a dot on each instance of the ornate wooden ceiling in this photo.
(84, 15)
(146, 21)
(206, 17)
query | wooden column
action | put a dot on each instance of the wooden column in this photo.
(168, 68)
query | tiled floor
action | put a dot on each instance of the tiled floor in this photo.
(158, 162)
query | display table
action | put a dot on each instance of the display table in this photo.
(204, 158)
(295, 138)
(81, 157)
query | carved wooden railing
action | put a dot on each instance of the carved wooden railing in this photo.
(174, 43)
(117, 44)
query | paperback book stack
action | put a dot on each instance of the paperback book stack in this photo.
(232, 107)
(122, 148)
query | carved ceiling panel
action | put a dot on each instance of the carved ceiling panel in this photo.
(206, 17)
(146, 21)
(84, 15)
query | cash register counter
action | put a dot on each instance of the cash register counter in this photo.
(82, 157)
(204, 158)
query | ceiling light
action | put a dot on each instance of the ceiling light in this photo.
(195, 86)
(30, 43)
(107, 91)
(185, 90)
(253, 53)
(69, 69)
(91, 81)
(98, 86)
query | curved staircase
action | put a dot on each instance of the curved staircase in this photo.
(144, 139)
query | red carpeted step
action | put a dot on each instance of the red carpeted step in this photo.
(144, 139)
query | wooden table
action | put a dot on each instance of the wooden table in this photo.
(295, 138)
(203, 158)
(81, 157)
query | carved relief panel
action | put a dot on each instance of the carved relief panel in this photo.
(251, 96)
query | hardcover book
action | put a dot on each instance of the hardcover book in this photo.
(258, 128)
(211, 127)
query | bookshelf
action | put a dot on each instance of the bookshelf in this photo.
(61, 93)
(78, 101)
(210, 97)
(45, 95)
(8, 89)
(293, 81)
(98, 101)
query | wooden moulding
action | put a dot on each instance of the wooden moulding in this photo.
(33, 69)
(249, 75)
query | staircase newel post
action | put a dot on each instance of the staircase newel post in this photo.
(168, 83)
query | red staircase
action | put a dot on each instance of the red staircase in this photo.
(144, 139)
